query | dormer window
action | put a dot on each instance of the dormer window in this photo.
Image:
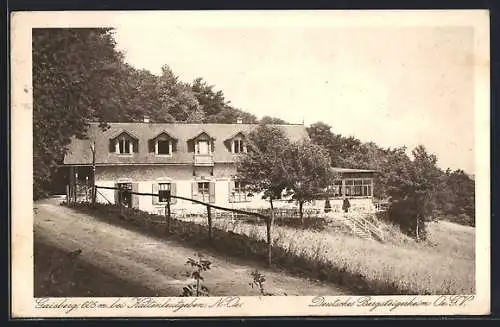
(203, 147)
(162, 145)
(238, 146)
(202, 144)
(123, 144)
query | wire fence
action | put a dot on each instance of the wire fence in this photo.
(215, 216)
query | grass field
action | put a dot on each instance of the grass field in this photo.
(444, 264)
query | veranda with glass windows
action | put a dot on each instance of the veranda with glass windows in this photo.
(352, 183)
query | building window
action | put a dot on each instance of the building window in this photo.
(358, 187)
(203, 191)
(203, 147)
(164, 190)
(163, 147)
(124, 146)
(239, 193)
(238, 146)
(367, 187)
(124, 196)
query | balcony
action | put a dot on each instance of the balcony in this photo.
(203, 160)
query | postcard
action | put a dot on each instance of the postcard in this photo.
(250, 163)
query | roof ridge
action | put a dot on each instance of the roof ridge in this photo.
(184, 123)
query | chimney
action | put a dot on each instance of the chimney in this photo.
(146, 119)
(239, 120)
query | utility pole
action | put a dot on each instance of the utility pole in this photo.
(94, 191)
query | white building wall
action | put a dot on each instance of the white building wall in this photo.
(182, 176)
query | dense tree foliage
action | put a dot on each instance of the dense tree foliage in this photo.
(309, 171)
(70, 68)
(416, 186)
(272, 121)
(79, 76)
(264, 167)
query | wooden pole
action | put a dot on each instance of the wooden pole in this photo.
(120, 195)
(209, 212)
(167, 213)
(269, 223)
(93, 194)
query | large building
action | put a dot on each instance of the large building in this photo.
(190, 160)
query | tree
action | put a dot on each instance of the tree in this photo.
(264, 167)
(309, 171)
(453, 194)
(176, 98)
(341, 149)
(456, 199)
(212, 102)
(414, 200)
(229, 115)
(272, 121)
(71, 71)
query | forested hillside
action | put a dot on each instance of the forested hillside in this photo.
(79, 76)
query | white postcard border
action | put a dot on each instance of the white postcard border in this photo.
(23, 303)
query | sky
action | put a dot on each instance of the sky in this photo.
(395, 86)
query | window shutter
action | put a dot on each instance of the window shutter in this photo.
(151, 146)
(212, 144)
(112, 146)
(231, 190)
(155, 191)
(211, 191)
(135, 197)
(190, 146)
(135, 145)
(174, 145)
(116, 194)
(194, 190)
(173, 191)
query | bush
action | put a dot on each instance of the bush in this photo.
(404, 213)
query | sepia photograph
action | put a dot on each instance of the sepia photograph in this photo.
(206, 163)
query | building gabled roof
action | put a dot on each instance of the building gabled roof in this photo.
(201, 133)
(121, 132)
(79, 152)
(236, 134)
(165, 133)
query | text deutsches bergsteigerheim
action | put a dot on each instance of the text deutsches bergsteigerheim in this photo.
(370, 303)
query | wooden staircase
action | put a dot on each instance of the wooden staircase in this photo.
(359, 226)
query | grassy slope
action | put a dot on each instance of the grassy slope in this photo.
(444, 264)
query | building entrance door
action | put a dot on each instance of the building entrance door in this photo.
(124, 197)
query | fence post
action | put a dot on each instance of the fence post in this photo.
(269, 245)
(120, 196)
(94, 194)
(167, 213)
(209, 212)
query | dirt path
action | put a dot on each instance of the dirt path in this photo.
(157, 264)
